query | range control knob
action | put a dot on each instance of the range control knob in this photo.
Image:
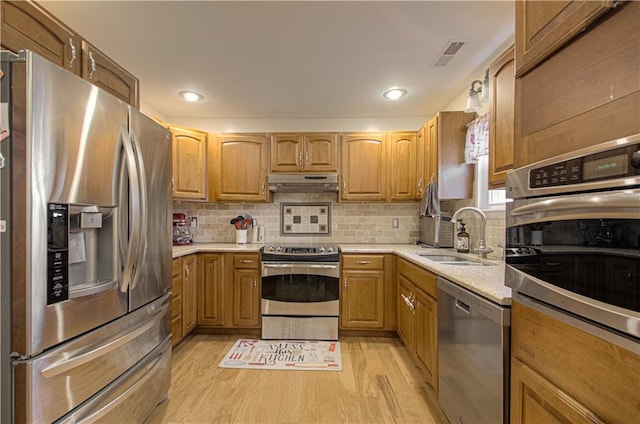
(270, 248)
(330, 249)
(278, 249)
(321, 249)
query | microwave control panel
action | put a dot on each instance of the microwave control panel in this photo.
(610, 164)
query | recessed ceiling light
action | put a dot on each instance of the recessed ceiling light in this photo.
(394, 93)
(191, 96)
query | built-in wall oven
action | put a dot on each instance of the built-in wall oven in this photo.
(573, 239)
(300, 292)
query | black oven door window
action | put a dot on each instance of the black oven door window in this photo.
(596, 258)
(300, 288)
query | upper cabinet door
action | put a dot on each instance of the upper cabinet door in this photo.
(241, 171)
(189, 164)
(501, 114)
(542, 27)
(108, 75)
(321, 152)
(26, 26)
(304, 152)
(364, 167)
(403, 166)
(287, 152)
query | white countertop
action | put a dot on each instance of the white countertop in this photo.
(487, 281)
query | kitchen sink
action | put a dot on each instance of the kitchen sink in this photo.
(451, 260)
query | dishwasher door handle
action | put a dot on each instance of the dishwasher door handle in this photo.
(463, 306)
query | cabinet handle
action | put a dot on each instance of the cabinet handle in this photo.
(299, 159)
(345, 284)
(255, 284)
(187, 271)
(262, 187)
(363, 262)
(306, 158)
(74, 55)
(344, 184)
(92, 65)
(420, 184)
(246, 261)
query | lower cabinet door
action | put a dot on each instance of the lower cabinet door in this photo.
(426, 339)
(535, 400)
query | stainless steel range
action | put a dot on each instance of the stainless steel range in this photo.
(300, 292)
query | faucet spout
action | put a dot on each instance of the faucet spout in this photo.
(482, 249)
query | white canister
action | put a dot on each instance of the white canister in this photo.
(262, 234)
(241, 236)
(254, 235)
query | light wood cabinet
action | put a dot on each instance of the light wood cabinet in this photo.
(189, 294)
(542, 27)
(535, 400)
(27, 25)
(100, 70)
(176, 301)
(363, 296)
(229, 290)
(502, 84)
(405, 182)
(366, 299)
(240, 168)
(189, 164)
(211, 293)
(246, 290)
(565, 374)
(418, 316)
(445, 136)
(363, 169)
(304, 152)
(587, 93)
(184, 297)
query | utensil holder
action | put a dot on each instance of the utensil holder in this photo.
(241, 236)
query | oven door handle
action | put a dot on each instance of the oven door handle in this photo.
(316, 266)
(627, 199)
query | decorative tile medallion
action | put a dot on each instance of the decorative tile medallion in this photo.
(306, 219)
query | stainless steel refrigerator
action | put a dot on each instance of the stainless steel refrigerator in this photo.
(85, 241)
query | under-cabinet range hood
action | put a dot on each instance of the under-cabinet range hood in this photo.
(303, 182)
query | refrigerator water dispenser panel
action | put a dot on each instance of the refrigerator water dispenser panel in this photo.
(58, 253)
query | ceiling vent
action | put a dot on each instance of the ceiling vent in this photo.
(449, 51)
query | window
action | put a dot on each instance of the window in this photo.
(487, 200)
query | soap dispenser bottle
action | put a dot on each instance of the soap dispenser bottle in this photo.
(462, 239)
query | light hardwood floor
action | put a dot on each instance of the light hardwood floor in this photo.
(379, 383)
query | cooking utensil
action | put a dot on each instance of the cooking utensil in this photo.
(247, 223)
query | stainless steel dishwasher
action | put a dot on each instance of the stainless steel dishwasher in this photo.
(473, 356)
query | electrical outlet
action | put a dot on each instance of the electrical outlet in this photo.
(395, 222)
(194, 222)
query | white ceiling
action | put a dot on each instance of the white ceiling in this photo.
(300, 64)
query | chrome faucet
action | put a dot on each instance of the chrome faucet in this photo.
(482, 249)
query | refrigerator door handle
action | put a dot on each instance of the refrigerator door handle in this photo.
(142, 197)
(92, 289)
(104, 349)
(135, 214)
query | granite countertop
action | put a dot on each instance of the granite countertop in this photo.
(486, 281)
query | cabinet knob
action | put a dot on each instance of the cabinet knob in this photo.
(306, 158)
(255, 283)
(74, 54)
(246, 261)
(299, 159)
(363, 262)
(345, 284)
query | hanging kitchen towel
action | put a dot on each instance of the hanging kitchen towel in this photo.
(430, 200)
(477, 139)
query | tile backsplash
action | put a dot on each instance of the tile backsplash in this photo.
(365, 223)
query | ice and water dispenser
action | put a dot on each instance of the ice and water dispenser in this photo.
(82, 251)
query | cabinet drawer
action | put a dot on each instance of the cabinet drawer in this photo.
(246, 261)
(363, 261)
(176, 267)
(423, 279)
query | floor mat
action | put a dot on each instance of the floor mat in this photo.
(304, 355)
